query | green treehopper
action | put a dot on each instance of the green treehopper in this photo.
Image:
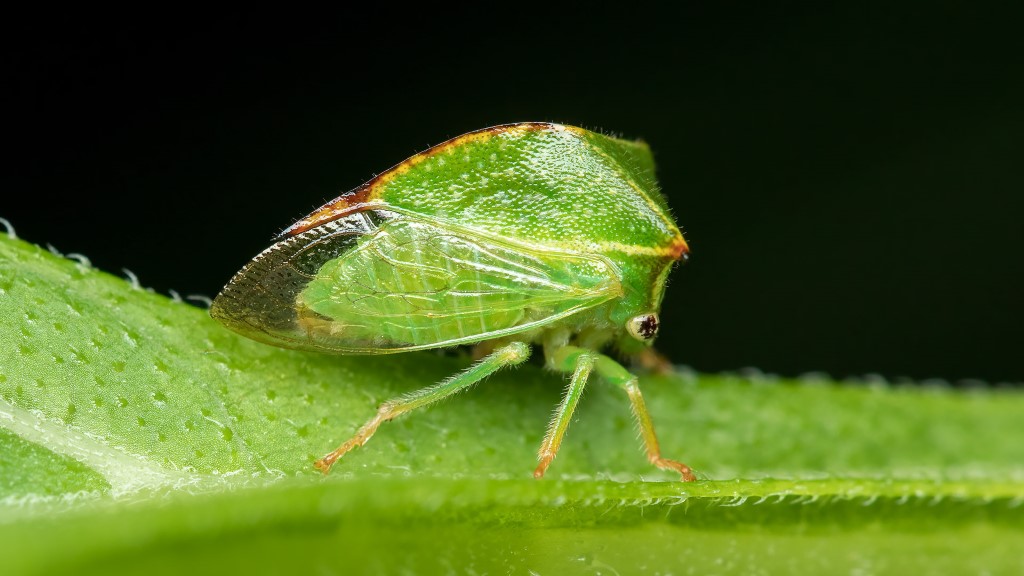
(503, 238)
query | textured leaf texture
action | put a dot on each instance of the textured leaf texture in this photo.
(136, 434)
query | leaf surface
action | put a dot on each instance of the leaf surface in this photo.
(138, 434)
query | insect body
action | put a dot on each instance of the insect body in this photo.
(502, 238)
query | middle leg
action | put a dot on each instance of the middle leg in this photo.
(582, 363)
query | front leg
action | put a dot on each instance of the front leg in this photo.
(581, 362)
(614, 372)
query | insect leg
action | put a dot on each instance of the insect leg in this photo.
(583, 362)
(510, 355)
(614, 372)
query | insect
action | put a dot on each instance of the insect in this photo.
(503, 238)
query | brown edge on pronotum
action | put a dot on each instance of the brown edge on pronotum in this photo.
(680, 250)
(362, 197)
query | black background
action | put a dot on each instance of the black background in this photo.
(850, 181)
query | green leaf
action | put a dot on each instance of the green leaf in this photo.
(137, 435)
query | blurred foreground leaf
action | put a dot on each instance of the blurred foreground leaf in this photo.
(138, 435)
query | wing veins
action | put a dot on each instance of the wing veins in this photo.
(390, 294)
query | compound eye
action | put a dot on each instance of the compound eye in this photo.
(643, 327)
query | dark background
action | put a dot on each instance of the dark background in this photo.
(850, 181)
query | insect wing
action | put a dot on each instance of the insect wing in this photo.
(410, 283)
(260, 300)
(417, 283)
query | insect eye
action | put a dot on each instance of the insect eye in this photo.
(643, 327)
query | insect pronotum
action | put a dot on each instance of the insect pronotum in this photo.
(502, 238)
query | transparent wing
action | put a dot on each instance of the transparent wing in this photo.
(409, 283)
